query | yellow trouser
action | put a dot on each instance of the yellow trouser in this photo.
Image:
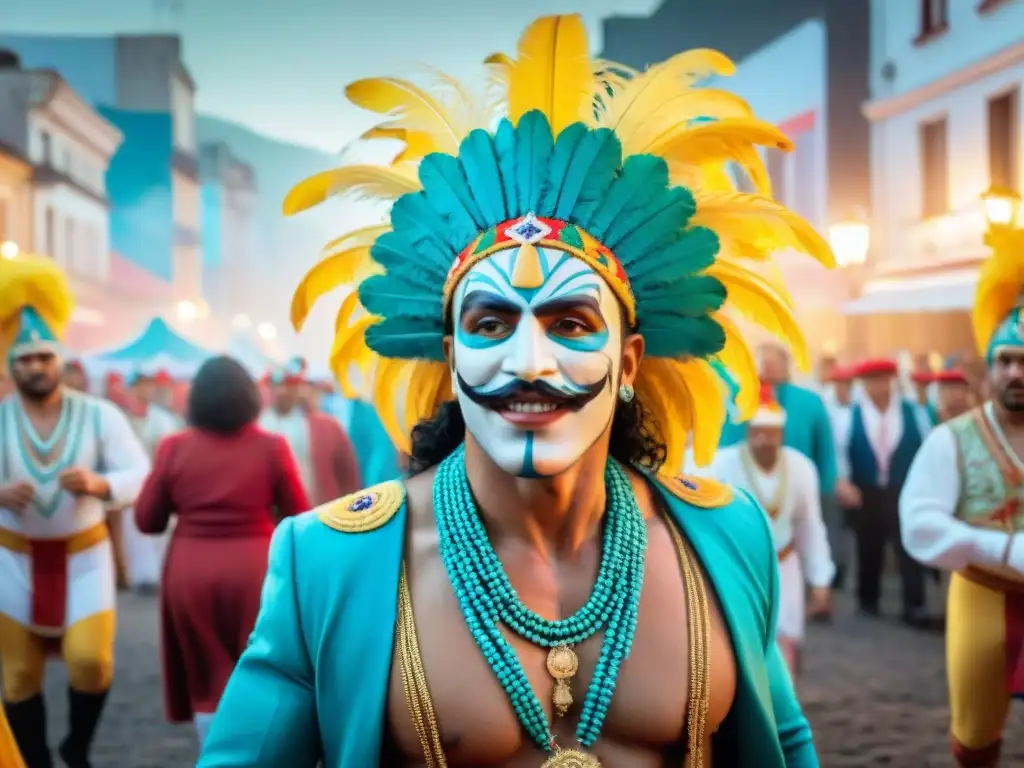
(10, 757)
(87, 648)
(976, 663)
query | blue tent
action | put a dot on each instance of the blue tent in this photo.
(158, 347)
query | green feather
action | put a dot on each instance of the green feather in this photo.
(670, 336)
(566, 144)
(594, 166)
(448, 193)
(695, 296)
(533, 150)
(652, 229)
(641, 181)
(505, 151)
(693, 251)
(480, 166)
(407, 339)
(383, 295)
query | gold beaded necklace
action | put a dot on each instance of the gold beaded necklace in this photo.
(750, 469)
(698, 620)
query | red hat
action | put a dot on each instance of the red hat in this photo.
(881, 367)
(842, 374)
(952, 376)
(114, 378)
(163, 378)
(922, 377)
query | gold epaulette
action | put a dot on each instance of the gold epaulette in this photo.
(698, 491)
(365, 510)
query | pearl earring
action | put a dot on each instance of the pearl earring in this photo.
(626, 393)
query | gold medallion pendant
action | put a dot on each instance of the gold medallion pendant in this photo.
(571, 758)
(562, 665)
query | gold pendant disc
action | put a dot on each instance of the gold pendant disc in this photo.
(571, 758)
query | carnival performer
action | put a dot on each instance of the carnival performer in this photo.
(63, 457)
(840, 411)
(225, 481)
(878, 448)
(785, 483)
(925, 413)
(960, 510)
(327, 464)
(955, 397)
(542, 308)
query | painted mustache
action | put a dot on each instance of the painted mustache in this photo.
(520, 390)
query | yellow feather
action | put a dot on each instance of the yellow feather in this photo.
(738, 359)
(418, 144)
(38, 282)
(751, 225)
(388, 380)
(708, 395)
(754, 297)
(552, 73)
(358, 180)
(336, 268)
(669, 406)
(425, 384)
(410, 107)
(1000, 281)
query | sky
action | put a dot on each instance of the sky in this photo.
(280, 66)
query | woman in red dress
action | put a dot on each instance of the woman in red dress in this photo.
(228, 482)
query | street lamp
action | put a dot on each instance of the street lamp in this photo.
(9, 250)
(187, 311)
(241, 322)
(850, 241)
(267, 331)
(1001, 207)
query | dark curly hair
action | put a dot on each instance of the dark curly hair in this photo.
(223, 397)
(636, 439)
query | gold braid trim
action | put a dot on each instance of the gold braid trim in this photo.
(699, 491)
(364, 511)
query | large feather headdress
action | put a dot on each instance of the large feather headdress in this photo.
(628, 171)
(35, 304)
(998, 298)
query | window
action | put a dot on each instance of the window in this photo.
(934, 18)
(48, 235)
(934, 175)
(1004, 140)
(69, 243)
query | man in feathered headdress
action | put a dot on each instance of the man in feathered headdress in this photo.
(322, 450)
(785, 482)
(536, 326)
(961, 509)
(64, 456)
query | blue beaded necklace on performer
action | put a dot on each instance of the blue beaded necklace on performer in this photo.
(488, 599)
(44, 448)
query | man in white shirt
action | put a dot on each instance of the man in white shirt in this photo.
(961, 509)
(877, 449)
(785, 483)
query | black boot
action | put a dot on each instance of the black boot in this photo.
(28, 724)
(85, 711)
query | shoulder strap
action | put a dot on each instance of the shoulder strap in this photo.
(365, 510)
(699, 491)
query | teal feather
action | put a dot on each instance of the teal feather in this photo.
(413, 216)
(671, 336)
(634, 238)
(405, 339)
(383, 295)
(448, 193)
(693, 252)
(480, 166)
(642, 180)
(594, 167)
(534, 144)
(566, 145)
(396, 252)
(695, 296)
(505, 151)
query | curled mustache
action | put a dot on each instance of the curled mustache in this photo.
(514, 390)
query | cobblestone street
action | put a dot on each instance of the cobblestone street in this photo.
(875, 694)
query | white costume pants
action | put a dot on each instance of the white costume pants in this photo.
(792, 608)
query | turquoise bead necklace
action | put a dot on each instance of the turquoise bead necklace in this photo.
(488, 599)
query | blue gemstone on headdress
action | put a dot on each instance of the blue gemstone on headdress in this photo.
(361, 504)
(527, 230)
(688, 484)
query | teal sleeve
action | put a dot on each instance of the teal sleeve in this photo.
(824, 449)
(732, 433)
(794, 730)
(267, 716)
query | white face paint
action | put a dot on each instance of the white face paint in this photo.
(564, 337)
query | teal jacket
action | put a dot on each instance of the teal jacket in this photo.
(377, 457)
(312, 684)
(808, 430)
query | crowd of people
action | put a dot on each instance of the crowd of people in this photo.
(574, 521)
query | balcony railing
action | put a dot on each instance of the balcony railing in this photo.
(939, 241)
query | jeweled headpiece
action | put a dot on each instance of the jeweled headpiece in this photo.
(998, 301)
(630, 172)
(35, 305)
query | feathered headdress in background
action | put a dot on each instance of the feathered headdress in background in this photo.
(627, 171)
(35, 305)
(998, 300)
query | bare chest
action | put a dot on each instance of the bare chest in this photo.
(646, 721)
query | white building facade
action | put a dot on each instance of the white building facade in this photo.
(946, 124)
